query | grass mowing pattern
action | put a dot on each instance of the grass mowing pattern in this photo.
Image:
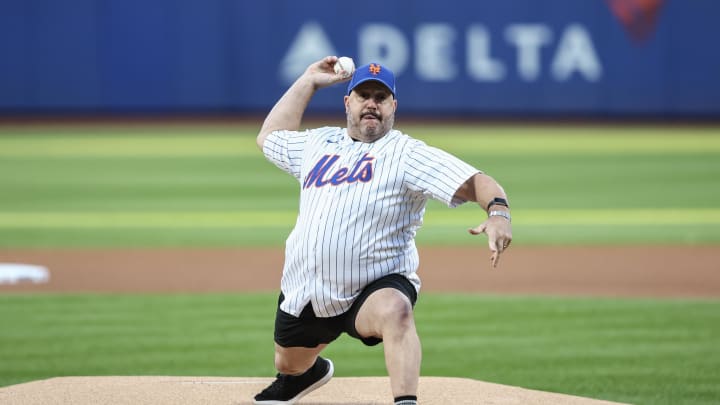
(210, 186)
(640, 351)
(634, 351)
(128, 335)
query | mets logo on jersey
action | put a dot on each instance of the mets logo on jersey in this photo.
(321, 175)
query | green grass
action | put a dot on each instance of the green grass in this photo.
(210, 186)
(631, 350)
(164, 186)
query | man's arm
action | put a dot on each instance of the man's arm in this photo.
(482, 189)
(288, 111)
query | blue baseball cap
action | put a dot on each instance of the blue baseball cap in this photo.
(376, 72)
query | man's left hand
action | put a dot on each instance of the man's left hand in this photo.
(499, 234)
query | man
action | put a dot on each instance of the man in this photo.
(351, 261)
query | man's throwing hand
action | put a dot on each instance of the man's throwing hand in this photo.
(322, 73)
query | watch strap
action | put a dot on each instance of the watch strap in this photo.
(498, 201)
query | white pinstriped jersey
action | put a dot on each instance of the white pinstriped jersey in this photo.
(360, 206)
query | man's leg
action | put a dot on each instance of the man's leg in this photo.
(295, 360)
(301, 371)
(298, 343)
(387, 314)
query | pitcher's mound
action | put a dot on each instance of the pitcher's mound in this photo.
(236, 391)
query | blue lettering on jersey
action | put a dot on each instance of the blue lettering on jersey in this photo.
(319, 176)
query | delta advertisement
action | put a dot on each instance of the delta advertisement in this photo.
(514, 57)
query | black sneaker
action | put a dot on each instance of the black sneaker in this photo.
(286, 389)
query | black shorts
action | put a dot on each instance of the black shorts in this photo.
(310, 331)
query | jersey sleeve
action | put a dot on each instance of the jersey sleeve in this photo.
(436, 174)
(285, 149)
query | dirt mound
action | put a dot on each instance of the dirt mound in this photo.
(237, 391)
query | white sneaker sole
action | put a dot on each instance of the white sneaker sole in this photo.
(306, 391)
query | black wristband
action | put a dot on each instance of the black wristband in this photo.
(498, 201)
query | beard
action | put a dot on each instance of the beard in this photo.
(369, 130)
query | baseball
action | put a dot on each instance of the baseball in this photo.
(344, 66)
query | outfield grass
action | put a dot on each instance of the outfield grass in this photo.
(210, 186)
(640, 351)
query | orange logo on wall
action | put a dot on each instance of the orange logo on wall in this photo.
(374, 69)
(637, 16)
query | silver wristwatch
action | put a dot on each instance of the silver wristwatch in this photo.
(503, 214)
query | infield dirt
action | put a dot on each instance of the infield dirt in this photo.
(647, 271)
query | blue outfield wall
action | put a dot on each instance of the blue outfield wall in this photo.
(597, 58)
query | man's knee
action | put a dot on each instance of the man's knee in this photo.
(401, 310)
(397, 314)
(385, 312)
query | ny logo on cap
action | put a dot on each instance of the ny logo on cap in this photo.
(374, 69)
